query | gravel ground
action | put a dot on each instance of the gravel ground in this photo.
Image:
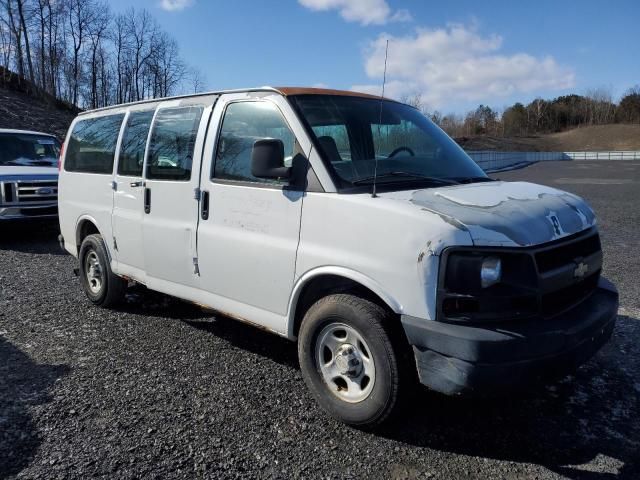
(160, 389)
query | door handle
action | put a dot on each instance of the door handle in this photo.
(136, 184)
(204, 205)
(147, 200)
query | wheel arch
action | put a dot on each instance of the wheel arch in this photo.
(323, 281)
(85, 226)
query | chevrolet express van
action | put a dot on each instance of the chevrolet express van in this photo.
(349, 223)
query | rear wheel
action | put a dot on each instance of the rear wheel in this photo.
(100, 284)
(348, 357)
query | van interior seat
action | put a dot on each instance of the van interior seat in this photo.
(328, 145)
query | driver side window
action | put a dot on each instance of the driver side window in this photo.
(244, 123)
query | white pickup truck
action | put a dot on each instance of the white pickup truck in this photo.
(349, 223)
(28, 175)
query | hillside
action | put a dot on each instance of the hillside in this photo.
(591, 138)
(19, 110)
(23, 106)
(597, 137)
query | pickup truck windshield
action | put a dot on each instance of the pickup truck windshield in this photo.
(28, 150)
(352, 132)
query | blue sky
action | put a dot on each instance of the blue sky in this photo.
(455, 54)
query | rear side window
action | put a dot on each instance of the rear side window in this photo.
(92, 145)
(172, 143)
(244, 123)
(134, 141)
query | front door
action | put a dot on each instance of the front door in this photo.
(170, 204)
(128, 212)
(248, 237)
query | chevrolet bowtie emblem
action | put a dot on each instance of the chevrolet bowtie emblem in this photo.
(581, 270)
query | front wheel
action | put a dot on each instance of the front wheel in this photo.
(100, 284)
(348, 357)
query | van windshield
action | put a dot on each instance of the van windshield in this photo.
(353, 132)
(23, 149)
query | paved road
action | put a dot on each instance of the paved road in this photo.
(159, 389)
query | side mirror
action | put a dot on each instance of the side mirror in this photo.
(267, 159)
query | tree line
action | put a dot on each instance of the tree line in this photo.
(596, 107)
(80, 52)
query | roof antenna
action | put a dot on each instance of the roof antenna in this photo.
(375, 153)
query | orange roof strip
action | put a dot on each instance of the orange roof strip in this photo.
(322, 91)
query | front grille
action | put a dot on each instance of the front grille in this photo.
(37, 191)
(558, 256)
(29, 192)
(7, 192)
(568, 272)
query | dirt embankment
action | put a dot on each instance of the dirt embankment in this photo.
(591, 138)
(19, 110)
(23, 106)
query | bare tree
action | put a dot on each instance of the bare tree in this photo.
(196, 80)
(25, 31)
(79, 52)
(122, 48)
(600, 104)
(16, 30)
(96, 34)
(6, 42)
(82, 14)
(142, 30)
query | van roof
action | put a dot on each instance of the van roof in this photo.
(285, 91)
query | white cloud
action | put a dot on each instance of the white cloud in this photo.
(402, 15)
(366, 12)
(175, 5)
(458, 63)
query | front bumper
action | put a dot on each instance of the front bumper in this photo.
(462, 359)
(29, 212)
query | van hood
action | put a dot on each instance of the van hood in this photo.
(28, 171)
(504, 213)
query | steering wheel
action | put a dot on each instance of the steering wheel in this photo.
(401, 149)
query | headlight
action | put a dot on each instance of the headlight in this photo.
(490, 271)
(486, 284)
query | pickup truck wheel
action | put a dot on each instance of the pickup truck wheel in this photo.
(100, 284)
(348, 359)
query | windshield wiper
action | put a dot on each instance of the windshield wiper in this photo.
(473, 179)
(397, 173)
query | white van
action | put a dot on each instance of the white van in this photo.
(28, 175)
(348, 222)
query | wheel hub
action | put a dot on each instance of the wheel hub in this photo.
(348, 360)
(94, 272)
(346, 364)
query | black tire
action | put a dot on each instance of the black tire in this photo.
(375, 325)
(112, 288)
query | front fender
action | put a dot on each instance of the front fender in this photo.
(347, 273)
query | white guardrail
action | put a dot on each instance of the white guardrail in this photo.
(492, 161)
